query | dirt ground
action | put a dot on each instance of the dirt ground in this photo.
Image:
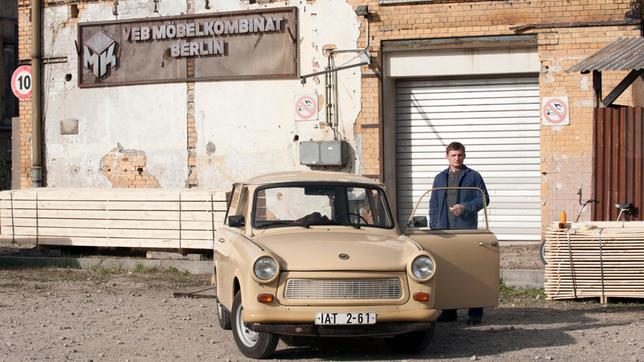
(520, 256)
(101, 315)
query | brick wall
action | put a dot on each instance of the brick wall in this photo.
(24, 55)
(566, 151)
(367, 124)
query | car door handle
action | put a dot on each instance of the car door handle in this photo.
(221, 240)
(490, 243)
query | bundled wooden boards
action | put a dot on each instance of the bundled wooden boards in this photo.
(597, 259)
(139, 218)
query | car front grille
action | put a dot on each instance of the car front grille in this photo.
(343, 289)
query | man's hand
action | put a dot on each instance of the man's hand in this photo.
(457, 209)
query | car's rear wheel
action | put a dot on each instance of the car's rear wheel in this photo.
(411, 343)
(542, 253)
(223, 316)
(251, 344)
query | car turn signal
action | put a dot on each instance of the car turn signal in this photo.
(264, 298)
(421, 297)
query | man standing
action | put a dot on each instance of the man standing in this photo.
(457, 209)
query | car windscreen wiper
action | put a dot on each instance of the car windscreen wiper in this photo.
(282, 223)
(334, 223)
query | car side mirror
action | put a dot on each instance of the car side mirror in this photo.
(418, 222)
(236, 221)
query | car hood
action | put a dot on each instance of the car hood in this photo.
(320, 249)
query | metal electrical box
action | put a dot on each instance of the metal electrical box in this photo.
(323, 153)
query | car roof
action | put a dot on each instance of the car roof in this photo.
(306, 176)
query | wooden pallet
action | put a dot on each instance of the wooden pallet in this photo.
(138, 218)
(598, 259)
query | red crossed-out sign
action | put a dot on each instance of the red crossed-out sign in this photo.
(306, 108)
(554, 111)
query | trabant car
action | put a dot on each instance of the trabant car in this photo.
(319, 254)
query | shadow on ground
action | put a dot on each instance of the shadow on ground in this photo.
(504, 330)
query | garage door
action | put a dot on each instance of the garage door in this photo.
(497, 119)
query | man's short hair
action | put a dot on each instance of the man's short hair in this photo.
(455, 146)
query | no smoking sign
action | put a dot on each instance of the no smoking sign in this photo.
(306, 108)
(22, 82)
(554, 111)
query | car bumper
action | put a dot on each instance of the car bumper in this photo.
(311, 330)
(305, 315)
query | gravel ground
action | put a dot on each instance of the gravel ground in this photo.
(521, 256)
(64, 314)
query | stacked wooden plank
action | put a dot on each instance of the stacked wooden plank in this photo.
(139, 218)
(597, 259)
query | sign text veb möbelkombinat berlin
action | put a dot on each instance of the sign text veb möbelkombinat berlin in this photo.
(234, 45)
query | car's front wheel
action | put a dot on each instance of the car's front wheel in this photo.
(411, 343)
(223, 316)
(251, 344)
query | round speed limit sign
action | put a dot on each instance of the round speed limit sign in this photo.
(22, 82)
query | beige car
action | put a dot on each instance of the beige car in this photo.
(319, 254)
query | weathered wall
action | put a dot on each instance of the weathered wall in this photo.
(566, 151)
(205, 134)
(148, 119)
(248, 128)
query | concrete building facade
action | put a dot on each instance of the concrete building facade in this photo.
(479, 72)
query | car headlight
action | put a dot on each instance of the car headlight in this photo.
(265, 268)
(422, 267)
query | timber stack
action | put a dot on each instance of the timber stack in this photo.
(596, 259)
(135, 218)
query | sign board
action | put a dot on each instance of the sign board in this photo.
(257, 44)
(22, 82)
(306, 107)
(555, 111)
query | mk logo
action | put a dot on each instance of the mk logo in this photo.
(99, 53)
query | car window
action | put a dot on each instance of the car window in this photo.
(238, 202)
(306, 205)
(368, 204)
(234, 201)
(242, 205)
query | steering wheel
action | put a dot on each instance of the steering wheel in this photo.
(349, 214)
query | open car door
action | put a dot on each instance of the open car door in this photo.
(467, 260)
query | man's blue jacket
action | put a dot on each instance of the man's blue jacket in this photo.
(470, 199)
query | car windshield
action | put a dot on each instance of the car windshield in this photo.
(304, 205)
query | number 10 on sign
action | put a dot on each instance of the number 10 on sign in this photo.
(22, 82)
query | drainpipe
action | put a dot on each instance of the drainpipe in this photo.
(36, 106)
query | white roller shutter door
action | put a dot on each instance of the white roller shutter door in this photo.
(497, 119)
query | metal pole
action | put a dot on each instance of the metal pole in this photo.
(36, 100)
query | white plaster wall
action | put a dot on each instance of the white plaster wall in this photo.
(252, 123)
(149, 118)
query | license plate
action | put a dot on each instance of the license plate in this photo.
(357, 318)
